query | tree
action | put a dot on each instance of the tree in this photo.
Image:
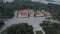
(50, 27)
(22, 28)
(1, 23)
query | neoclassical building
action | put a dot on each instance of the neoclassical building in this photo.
(29, 13)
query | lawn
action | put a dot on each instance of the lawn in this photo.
(39, 32)
(58, 32)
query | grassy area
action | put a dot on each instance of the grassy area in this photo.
(39, 32)
(58, 32)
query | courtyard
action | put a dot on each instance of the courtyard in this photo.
(31, 21)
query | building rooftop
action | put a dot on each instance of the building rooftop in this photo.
(22, 13)
(47, 13)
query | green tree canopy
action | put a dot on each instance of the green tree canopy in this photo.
(21, 28)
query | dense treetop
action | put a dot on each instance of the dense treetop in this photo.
(50, 27)
(21, 28)
(1, 23)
